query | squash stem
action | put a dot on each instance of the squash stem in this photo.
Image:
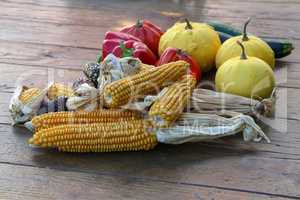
(188, 24)
(243, 54)
(245, 36)
(181, 52)
(139, 23)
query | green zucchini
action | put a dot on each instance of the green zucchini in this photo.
(280, 48)
(224, 36)
(224, 28)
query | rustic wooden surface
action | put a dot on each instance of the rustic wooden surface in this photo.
(43, 41)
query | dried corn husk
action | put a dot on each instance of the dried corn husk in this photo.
(113, 68)
(144, 103)
(201, 127)
(56, 90)
(80, 81)
(209, 101)
(86, 98)
(89, 98)
(24, 111)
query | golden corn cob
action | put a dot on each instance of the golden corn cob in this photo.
(122, 91)
(57, 90)
(167, 108)
(131, 135)
(80, 117)
(27, 95)
(145, 67)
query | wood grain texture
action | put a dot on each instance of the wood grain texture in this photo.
(54, 56)
(218, 8)
(68, 34)
(200, 164)
(43, 41)
(46, 183)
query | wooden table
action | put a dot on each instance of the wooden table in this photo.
(48, 40)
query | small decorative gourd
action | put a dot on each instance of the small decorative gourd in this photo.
(254, 47)
(199, 40)
(245, 76)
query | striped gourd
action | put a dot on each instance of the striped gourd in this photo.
(122, 91)
(57, 89)
(168, 107)
(27, 95)
(131, 135)
(81, 117)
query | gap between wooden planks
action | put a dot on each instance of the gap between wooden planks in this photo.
(191, 164)
(48, 32)
(287, 178)
(60, 184)
(219, 8)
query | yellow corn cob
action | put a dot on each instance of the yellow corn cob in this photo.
(80, 117)
(145, 67)
(132, 135)
(57, 90)
(27, 95)
(167, 108)
(122, 91)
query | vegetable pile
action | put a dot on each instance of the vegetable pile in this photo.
(144, 89)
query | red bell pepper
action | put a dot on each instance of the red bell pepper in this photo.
(129, 48)
(174, 54)
(109, 35)
(108, 46)
(147, 32)
(112, 39)
(157, 28)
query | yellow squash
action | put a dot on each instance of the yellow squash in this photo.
(254, 46)
(245, 76)
(199, 40)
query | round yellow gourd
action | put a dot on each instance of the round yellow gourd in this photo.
(245, 76)
(254, 46)
(199, 40)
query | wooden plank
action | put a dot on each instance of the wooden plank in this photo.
(90, 37)
(42, 33)
(26, 182)
(271, 169)
(217, 8)
(44, 55)
(195, 164)
(287, 74)
(15, 75)
(99, 18)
